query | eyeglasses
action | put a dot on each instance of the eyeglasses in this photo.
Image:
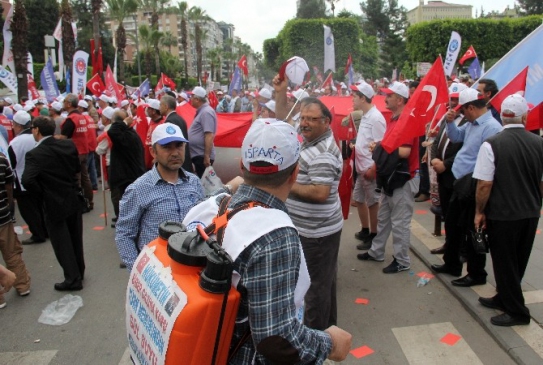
(303, 118)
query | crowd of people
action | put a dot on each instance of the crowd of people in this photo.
(52, 155)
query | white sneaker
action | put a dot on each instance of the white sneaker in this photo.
(24, 293)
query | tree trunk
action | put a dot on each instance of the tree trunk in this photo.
(19, 45)
(96, 5)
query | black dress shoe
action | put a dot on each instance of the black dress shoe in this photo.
(491, 303)
(468, 281)
(437, 210)
(438, 251)
(507, 321)
(32, 241)
(444, 269)
(65, 286)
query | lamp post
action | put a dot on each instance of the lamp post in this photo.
(135, 17)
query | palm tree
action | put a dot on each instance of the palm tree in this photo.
(215, 58)
(19, 45)
(68, 39)
(168, 40)
(120, 9)
(198, 16)
(182, 10)
(156, 7)
(147, 38)
(96, 9)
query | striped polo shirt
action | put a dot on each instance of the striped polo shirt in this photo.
(6, 177)
(320, 164)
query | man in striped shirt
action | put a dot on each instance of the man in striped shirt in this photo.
(315, 209)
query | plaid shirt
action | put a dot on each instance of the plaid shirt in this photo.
(269, 270)
(149, 201)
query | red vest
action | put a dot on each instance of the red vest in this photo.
(7, 124)
(91, 133)
(79, 137)
(147, 153)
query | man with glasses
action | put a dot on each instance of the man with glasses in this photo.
(315, 209)
(481, 125)
(165, 193)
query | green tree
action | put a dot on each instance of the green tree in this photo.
(85, 28)
(19, 45)
(182, 11)
(198, 16)
(41, 25)
(215, 58)
(156, 7)
(147, 39)
(118, 10)
(168, 40)
(531, 7)
(311, 9)
(96, 10)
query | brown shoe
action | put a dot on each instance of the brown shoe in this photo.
(422, 198)
(438, 251)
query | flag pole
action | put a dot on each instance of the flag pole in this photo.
(103, 189)
(295, 103)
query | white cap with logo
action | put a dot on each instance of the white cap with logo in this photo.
(514, 106)
(199, 92)
(154, 104)
(272, 141)
(166, 133)
(364, 88)
(397, 88)
(21, 117)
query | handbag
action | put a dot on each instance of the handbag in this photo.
(479, 239)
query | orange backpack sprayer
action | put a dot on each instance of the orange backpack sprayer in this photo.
(180, 305)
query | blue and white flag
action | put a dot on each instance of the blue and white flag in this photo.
(48, 81)
(329, 50)
(452, 53)
(68, 81)
(235, 84)
(143, 89)
(474, 69)
(527, 52)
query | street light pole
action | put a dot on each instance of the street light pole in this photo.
(135, 17)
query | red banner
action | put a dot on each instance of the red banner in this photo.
(516, 85)
(95, 85)
(111, 85)
(32, 89)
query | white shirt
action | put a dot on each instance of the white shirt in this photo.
(372, 129)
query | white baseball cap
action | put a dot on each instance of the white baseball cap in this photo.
(17, 107)
(8, 100)
(467, 96)
(83, 104)
(265, 93)
(270, 105)
(154, 104)
(270, 140)
(8, 112)
(166, 133)
(300, 94)
(397, 88)
(514, 106)
(29, 105)
(364, 88)
(105, 98)
(108, 112)
(199, 92)
(88, 97)
(184, 95)
(55, 105)
(124, 103)
(21, 117)
(456, 88)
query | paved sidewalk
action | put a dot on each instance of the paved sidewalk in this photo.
(523, 343)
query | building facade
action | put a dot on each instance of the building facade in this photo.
(434, 10)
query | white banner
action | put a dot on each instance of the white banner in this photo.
(79, 72)
(8, 79)
(329, 50)
(153, 304)
(7, 59)
(452, 53)
(58, 31)
(30, 64)
(60, 61)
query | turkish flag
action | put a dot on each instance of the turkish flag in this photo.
(213, 101)
(349, 64)
(32, 89)
(95, 85)
(535, 118)
(159, 86)
(420, 109)
(166, 81)
(111, 85)
(327, 80)
(122, 93)
(516, 86)
(242, 64)
(470, 53)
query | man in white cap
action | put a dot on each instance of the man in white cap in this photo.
(125, 104)
(235, 103)
(155, 119)
(104, 101)
(168, 111)
(269, 261)
(83, 108)
(398, 189)
(182, 98)
(508, 204)
(29, 203)
(55, 111)
(481, 125)
(165, 193)
(202, 132)
(371, 130)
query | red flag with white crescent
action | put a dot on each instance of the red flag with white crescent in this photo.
(242, 64)
(32, 89)
(95, 85)
(470, 53)
(166, 81)
(420, 109)
(535, 118)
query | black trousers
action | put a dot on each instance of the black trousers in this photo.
(458, 224)
(199, 167)
(31, 209)
(510, 247)
(66, 237)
